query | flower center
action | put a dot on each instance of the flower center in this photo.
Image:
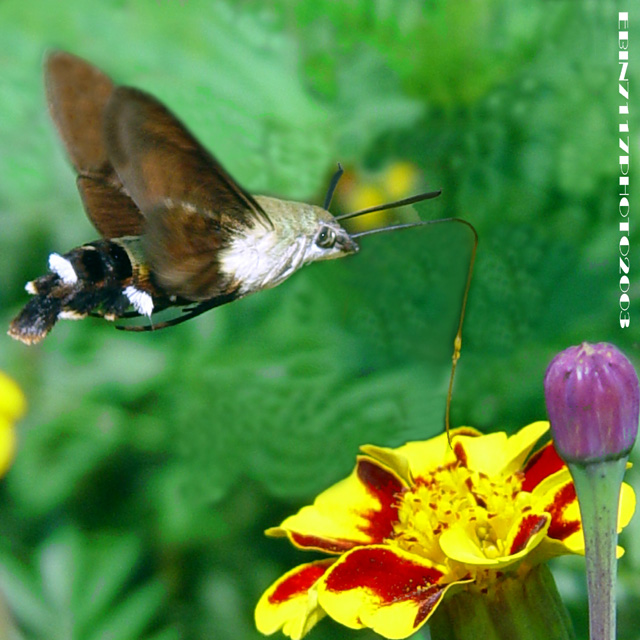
(454, 495)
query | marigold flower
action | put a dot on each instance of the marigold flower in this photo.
(12, 407)
(410, 523)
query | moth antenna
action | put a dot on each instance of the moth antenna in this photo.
(457, 342)
(392, 205)
(332, 186)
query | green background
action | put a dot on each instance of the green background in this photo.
(150, 464)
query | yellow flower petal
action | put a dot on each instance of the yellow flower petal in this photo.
(557, 496)
(496, 453)
(399, 179)
(463, 545)
(7, 444)
(359, 510)
(627, 506)
(291, 603)
(426, 455)
(384, 588)
(363, 196)
(391, 459)
(12, 401)
(520, 444)
(565, 533)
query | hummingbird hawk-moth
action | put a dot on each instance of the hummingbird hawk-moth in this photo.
(177, 230)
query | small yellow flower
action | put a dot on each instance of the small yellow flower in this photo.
(400, 179)
(364, 196)
(12, 407)
(358, 190)
(410, 523)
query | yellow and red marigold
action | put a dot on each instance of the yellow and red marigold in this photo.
(412, 522)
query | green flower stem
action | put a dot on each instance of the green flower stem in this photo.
(598, 488)
(512, 608)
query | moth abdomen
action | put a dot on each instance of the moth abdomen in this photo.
(102, 278)
(36, 319)
(105, 262)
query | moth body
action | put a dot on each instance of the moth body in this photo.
(107, 277)
(177, 230)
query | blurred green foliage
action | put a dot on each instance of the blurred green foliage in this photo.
(149, 464)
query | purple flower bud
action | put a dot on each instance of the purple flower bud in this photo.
(593, 399)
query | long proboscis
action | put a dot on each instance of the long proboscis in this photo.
(391, 205)
(457, 343)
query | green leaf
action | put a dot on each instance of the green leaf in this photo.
(133, 616)
(21, 592)
(83, 587)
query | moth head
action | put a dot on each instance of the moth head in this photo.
(328, 239)
(305, 232)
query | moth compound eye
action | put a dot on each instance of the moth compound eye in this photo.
(326, 238)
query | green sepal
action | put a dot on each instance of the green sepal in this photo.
(512, 607)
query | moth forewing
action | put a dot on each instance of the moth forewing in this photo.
(160, 160)
(77, 93)
(181, 248)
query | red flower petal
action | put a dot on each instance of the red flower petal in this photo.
(329, 545)
(291, 603)
(388, 579)
(296, 584)
(529, 526)
(384, 486)
(370, 516)
(561, 528)
(541, 465)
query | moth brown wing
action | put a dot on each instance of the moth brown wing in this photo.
(111, 211)
(160, 161)
(77, 93)
(182, 246)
